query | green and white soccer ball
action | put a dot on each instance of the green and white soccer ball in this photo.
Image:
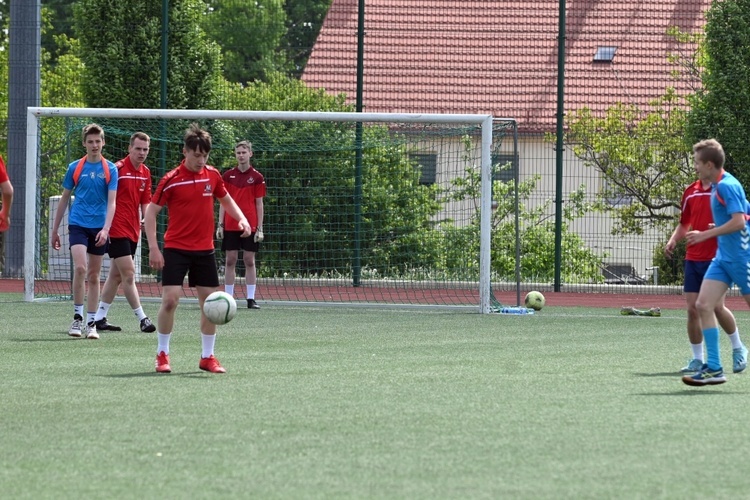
(220, 308)
(534, 300)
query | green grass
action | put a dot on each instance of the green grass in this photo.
(347, 403)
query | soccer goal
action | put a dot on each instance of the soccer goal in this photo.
(361, 208)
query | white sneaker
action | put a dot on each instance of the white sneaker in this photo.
(76, 326)
(91, 331)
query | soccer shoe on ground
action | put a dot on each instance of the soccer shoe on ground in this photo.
(739, 359)
(103, 326)
(147, 326)
(211, 364)
(162, 363)
(694, 366)
(76, 327)
(91, 332)
(251, 304)
(705, 377)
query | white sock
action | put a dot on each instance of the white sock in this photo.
(78, 309)
(735, 339)
(163, 339)
(250, 291)
(697, 351)
(90, 317)
(229, 289)
(101, 313)
(208, 342)
(139, 313)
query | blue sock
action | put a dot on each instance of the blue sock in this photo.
(711, 338)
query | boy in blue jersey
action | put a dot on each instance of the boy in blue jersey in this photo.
(731, 265)
(94, 182)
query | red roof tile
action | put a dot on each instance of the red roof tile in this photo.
(500, 57)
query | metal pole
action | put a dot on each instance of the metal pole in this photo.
(357, 262)
(559, 146)
(24, 83)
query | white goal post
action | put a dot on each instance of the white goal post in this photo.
(33, 153)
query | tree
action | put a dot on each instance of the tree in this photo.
(121, 50)
(304, 20)
(250, 35)
(537, 233)
(721, 109)
(643, 159)
(310, 166)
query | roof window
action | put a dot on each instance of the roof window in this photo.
(605, 54)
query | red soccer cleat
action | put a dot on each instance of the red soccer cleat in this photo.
(162, 363)
(211, 364)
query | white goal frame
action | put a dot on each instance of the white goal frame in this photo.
(34, 114)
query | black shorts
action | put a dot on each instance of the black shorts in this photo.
(199, 266)
(78, 235)
(121, 247)
(233, 241)
(694, 272)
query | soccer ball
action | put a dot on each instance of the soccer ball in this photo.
(220, 308)
(534, 300)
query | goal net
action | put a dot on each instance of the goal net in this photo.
(361, 208)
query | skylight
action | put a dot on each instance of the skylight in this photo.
(605, 54)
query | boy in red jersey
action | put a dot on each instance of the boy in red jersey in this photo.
(133, 196)
(6, 190)
(696, 215)
(189, 191)
(247, 188)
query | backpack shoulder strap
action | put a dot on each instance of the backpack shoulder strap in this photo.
(79, 168)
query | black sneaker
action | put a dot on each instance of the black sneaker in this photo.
(251, 304)
(103, 326)
(147, 326)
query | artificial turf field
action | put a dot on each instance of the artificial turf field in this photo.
(324, 402)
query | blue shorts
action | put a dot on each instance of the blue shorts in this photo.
(78, 235)
(737, 273)
(694, 272)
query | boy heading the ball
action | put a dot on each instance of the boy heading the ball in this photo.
(189, 191)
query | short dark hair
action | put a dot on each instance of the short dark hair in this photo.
(197, 139)
(710, 150)
(92, 129)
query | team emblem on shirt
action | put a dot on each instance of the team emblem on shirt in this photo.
(207, 190)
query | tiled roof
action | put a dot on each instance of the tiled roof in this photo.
(500, 57)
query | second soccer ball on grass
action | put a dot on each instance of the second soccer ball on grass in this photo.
(534, 300)
(220, 308)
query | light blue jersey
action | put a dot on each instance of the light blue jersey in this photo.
(89, 208)
(727, 198)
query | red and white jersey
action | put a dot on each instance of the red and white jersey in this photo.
(189, 198)
(3, 171)
(244, 188)
(696, 215)
(133, 191)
